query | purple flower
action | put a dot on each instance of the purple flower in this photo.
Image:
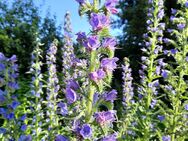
(166, 138)
(63, 106)
(2, 67)
(24, 127)
(186, 58)
(174, 51)
(15, 104)
(9, 116)
(164, 74)
(13, 59)
(25, 138)
(2, 98)
(3, 111)
(148, 44)
(61, 138)
(173, 11)
(81, 1)
(23, 117)
(111, 137)
(86, 131)
(99, 21)
(172, 18)
(73, 85)
(2, 57)
(153, 103)
(161, 14)
(161, 62)
(186, 107)
(186, 4)
(165, 52)
(76, 126)
(111, 96)
(13, 85)
(150, 1)
(71, 95)
(109, 64)
(158, 70)
(161, 117)
(170, 30)
(2, 130)
(97, 75)
(181, 26)
(91, 43)
(81, 36)
(166, 40)
(162, 26)
(110, 6)
(105, 117)
(149, 22)
(161, 3)
(109, 43)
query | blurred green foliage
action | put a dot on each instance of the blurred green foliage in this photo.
(20, 25)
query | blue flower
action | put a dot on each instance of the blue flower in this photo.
(97, 75)
(2, 67)
(73, 85)
(161, 117)
(166, 138)
(111, 6)
(109, 64)
(23, 117)
(99, 21)
(15, 104)
(25, 138)
(186, 4)
(81, 1)
(61, 138)
(110, 96)
(91, 43)
(9, 116)
(24, 127)
(153, 103)
(173, 11)
(2, 130)
(164, 74)
(186, 107)
(71, 95)
(181, 26)
(105, 117)
(63, 106)
(86, 131)
(111, 137)
(2, 57)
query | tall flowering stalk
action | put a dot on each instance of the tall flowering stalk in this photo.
(52, 91)
(67, 49)
(8, 98)
(174, 76)
(129, 105)
(37, 92)
(100, 69)
(151, 68)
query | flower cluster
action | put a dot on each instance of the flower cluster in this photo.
(36, 92)
(100, 68)
(52, 88)
(8, 98)
(67, 49)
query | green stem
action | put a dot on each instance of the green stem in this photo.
(91, 87)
